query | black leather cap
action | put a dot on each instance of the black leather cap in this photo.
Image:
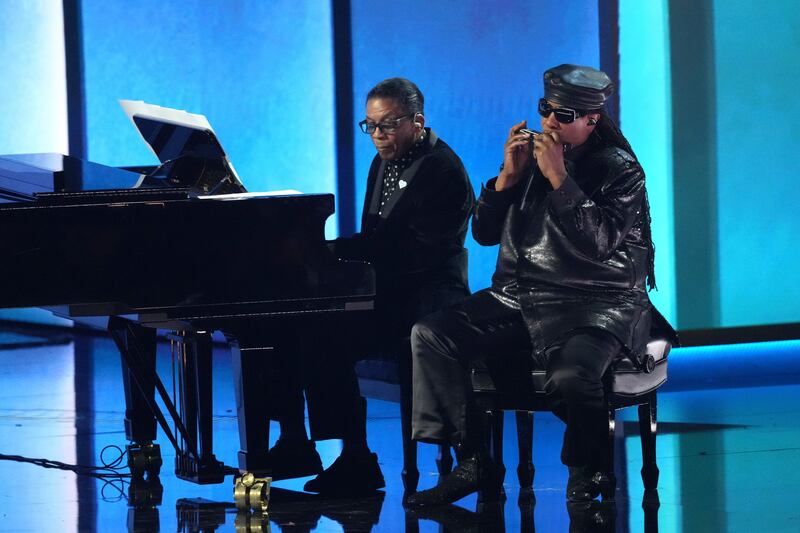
(575, 86)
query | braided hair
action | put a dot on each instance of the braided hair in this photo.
(610, 134)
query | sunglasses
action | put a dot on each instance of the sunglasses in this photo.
(565, 115)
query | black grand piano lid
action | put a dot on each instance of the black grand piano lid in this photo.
(24, 176)
(187, 147)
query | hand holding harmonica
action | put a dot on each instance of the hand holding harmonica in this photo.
(525, 147)
(517, 156)
(548, 150)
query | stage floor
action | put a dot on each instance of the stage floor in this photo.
(729, 458)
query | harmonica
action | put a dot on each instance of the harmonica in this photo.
(532, 133)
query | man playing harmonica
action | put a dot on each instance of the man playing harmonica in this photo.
(570, 212)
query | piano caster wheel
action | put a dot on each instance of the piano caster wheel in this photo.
(144, 459)
(250, 492)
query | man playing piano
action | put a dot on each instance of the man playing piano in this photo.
(414, 222)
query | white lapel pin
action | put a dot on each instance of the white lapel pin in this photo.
(402, 184)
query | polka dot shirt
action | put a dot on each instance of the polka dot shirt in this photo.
(395, 168)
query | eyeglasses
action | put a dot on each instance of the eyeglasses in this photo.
(388, 127)
(564, 115)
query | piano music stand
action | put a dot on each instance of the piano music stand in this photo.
(191, 156)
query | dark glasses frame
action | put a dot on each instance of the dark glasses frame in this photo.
(565, 115)
(388, 127)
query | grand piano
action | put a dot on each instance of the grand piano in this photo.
(178, 249)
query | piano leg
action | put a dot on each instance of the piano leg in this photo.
(251, 408)
(196, 411)
(194, 458)
(144, 457)
(140, 423)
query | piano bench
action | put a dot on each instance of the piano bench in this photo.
(496, 390)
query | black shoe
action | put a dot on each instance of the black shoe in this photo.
(350, 474)
(294, 458)
(586, 484)
(471, 475)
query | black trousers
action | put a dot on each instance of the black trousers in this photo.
(320, 359)
(315, 366)
(445, 344)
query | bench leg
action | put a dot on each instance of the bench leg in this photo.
(494, 444)
(410, 472)
(496, 436)
(411, 521)
(647, 431)
(525, 468)
(444, 460)
(612, 425)
(526, 506)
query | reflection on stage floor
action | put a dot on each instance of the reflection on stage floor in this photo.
(728, 458)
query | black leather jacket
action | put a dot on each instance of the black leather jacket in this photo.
(575, 257)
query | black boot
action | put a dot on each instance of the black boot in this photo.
(471, 475)
(586, 484)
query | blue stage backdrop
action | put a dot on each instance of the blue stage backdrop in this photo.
(480, 68)
(262, 72)
(757, 68)
(33, 92)
(646, 120)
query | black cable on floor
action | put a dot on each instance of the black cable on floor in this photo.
(110, 469)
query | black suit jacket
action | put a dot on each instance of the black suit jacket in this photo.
(417, 246)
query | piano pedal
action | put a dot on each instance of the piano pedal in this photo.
(203, 472)
(144, 460)
(250, 492)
